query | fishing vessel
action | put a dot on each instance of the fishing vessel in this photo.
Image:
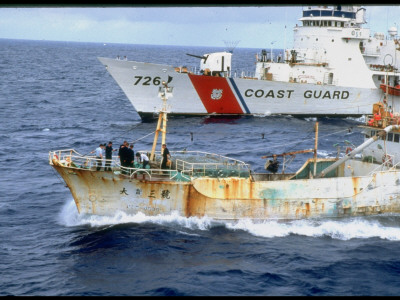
(199, 184)
(334, 68)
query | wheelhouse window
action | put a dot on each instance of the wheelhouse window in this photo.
(390, 137)
(396, 138)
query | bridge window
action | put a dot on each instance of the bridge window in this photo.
(390, 137)
(396, 138)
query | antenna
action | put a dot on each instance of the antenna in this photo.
(231, 45)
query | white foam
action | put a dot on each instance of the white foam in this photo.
(361, 119)
(311, 119)
(267, 113)
(69, 217)
(262, 115)
(324, 153)
(341, 229)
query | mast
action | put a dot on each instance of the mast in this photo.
(385, 97)
(315, 148)
(164, 92)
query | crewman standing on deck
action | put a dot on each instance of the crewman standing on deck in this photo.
(124, 154)
(99, 156)
(131, 159)
(109, 151)
(165, 157)
(142, 158)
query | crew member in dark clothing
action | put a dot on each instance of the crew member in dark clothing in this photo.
(109, 150)
(131, 156)
(124, 155)
(165, 158)
(119, 152)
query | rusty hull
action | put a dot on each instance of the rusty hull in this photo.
(104, 193)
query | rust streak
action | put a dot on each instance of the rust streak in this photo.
(307, 209)
(196, 203)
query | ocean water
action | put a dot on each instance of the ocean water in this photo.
(57, 95)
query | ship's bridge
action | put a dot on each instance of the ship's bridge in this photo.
(326, 12)
(323, 16)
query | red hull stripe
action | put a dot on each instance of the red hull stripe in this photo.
(216, 94)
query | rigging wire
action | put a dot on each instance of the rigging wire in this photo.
(273, 146)
(293, 143)
(143, 137)
(58, 176)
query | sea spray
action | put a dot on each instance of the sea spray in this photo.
(341, 228)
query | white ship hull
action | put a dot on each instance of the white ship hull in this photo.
(198, 94)
(335, 68)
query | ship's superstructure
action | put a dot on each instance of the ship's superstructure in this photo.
(334, 68)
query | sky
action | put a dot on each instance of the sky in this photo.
(246, 26)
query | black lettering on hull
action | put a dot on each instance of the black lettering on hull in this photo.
(308, 94)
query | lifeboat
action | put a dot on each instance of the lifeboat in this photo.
(391, 90)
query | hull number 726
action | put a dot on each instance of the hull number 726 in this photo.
(147, 80)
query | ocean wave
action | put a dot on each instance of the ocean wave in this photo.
(69, 217)
(341, 229)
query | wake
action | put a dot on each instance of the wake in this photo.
(341, 229)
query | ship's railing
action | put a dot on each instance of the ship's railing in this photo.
(72, 158)
(150, 174)
(383, 68)
(236, 73)
(387, 164)
(214, 170)
(185, 164)
(197, 163)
